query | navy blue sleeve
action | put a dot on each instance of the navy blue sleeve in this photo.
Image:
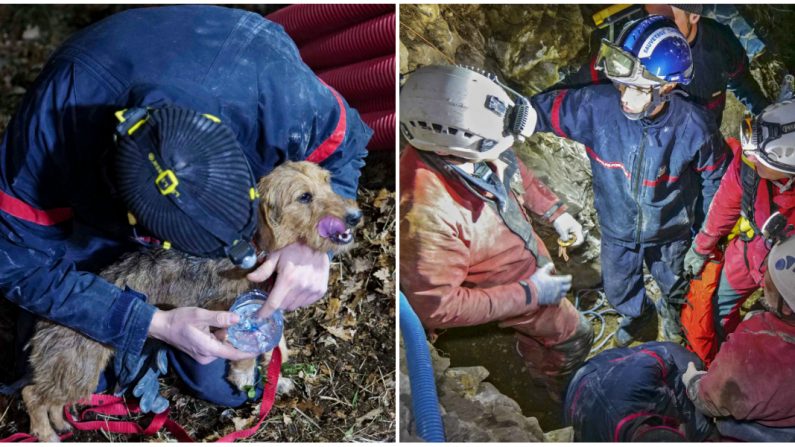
(587, 74)
(740, 82)
(712, 160)
(566, 113)
(302, 118)
(36, 218)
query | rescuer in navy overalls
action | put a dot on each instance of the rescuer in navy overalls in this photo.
(61, 215)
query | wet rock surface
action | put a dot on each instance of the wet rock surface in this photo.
(473, 410)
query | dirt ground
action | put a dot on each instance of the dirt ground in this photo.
(342, 349)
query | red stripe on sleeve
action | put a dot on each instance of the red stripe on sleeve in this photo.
(661, 179)
(713, 166)
(22, 210)
(594, 73)
(327, 147)
(556, 114)
(740, 70)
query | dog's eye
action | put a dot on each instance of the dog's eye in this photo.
(305, 198)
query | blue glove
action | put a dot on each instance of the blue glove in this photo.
(141, 372)
(550, 289)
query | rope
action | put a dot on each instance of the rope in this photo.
(594, 314)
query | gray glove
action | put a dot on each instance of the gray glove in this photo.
(691, 372)
(143, 371)
(550, 289)
(694, 261)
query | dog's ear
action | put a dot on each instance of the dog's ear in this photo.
(272, 213)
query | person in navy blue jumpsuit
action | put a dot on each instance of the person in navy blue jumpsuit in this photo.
(635, 394)
(649, 171)
(61, 220)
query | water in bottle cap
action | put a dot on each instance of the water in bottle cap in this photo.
(251, 334)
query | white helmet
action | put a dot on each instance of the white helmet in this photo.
(770, 137)
(781, 267)
(452, 110)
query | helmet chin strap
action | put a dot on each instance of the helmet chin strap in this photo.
(776, 310)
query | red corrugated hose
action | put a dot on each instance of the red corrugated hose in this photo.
(373, 38)
(383, 125)
(352, 49)
(375, 104)
(305, 22)
(364, 79)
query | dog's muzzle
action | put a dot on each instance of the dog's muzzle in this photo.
(338, 231)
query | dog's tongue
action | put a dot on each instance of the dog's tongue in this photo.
(330, 226)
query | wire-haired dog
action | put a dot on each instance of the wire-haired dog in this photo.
(297, 205)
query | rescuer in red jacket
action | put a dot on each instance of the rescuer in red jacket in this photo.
(758, 190)
(748, 386)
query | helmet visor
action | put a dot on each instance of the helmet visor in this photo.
(621, 66)
(614, 61)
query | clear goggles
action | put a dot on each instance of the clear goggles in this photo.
(623, 67)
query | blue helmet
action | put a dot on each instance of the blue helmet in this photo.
(649, 52)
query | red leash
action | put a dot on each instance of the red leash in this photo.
(101, 404)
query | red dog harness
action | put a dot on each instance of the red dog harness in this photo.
(104, 405)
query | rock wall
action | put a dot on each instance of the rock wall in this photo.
(472, 410)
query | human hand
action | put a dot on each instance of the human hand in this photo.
(302, 278)
(550, 289)
(568, 227)
(694, 261)
(189, 330)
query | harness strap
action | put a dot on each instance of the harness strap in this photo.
(105, 405)
(750, 184)
(511, 212)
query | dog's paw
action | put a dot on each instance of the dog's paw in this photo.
(53, 437)
(242, 379)
(57, 420)
(285, 386)
(45, 434)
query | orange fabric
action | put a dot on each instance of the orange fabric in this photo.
(697, 313)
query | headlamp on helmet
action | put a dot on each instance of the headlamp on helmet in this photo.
(770, 137)
(462, 111)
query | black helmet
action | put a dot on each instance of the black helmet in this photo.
(185, 179)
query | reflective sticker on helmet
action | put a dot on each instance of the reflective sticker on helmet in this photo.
(785, 264)
(656, 37)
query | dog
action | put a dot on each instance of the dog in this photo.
(297, 205)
